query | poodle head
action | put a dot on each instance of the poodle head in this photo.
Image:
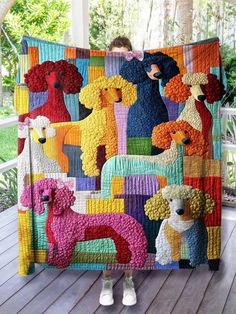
(183, 134)
(181, 202)
(46, 191)
(154, 66)
(105, 91)
(38, 128)
(60, 75)
(199, 85)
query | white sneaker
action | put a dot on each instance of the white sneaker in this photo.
(129, 294)
(106, 295)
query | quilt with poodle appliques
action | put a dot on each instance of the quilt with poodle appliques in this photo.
(119, 157)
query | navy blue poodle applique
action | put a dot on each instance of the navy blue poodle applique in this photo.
(149, 109)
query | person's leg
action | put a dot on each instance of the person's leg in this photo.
(129, 294)
(106, 295)
(106, 274)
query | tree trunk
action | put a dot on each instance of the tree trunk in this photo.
(167, 7)
(184, 17)
(5, 6)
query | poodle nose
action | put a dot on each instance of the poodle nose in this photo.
(42, 140)
(57, 85)
(158, 75)
(119, 100)
(201, 97)
(186, 140)
(45, 198)
(180, 211)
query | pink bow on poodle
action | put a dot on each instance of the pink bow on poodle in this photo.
(27, 122)
(139, 55)
(69, 184)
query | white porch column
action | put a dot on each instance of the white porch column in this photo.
(80, 23)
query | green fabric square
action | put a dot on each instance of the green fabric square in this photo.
(139, 146)
(97, 61)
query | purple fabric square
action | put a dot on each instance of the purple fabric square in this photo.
(141, 184)
(172, 108)
(37, 99)
(86, 184)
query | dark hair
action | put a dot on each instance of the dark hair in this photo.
(121, 41)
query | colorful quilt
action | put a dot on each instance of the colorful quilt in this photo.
(119, 160)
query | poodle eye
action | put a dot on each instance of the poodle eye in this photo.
(185, 132)
(171, 200)
(42, 190)
(105, 88)
(48, 73)
(44, 128)
(173, 132)
(117, 89)
(190, 85)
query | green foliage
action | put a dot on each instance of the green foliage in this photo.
(47, 19)
(8, 142)
(229, 164)
(8, 188)
(109, 19)
(229, 59)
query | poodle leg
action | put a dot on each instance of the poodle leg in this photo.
(64, 254)
(90, 164)
(163, 254)
(52, 254)
(174, 239)
(111, 149)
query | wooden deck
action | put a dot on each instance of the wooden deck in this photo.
(70, 291)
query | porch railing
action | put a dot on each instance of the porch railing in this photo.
(14, 121)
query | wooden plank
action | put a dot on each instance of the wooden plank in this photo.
(9, 255)
(196, 286)
(90, 301)
(53, 291)
(8, 271)
(221, 281)
(8, 242)
(9, 217)
(27, 292)
(72, 295)
(8, 212)
(138, 278)
(8, 229)
(15, 284)
(166, 298)
(230, 305)
(148, 290)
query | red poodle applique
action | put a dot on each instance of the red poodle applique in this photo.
(56, 78)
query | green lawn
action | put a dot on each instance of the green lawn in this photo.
(8, 143)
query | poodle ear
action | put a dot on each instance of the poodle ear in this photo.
(176, 91)
(168, 67)
(133, 71)
(50, 132)
(63, 200)
(214, 90)
(161, 136)
(157, 207)
(129, 93)
(90, 96)
(209, 204)
(26, 197)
